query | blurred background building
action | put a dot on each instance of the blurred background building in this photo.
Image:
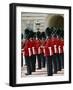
(40, 21)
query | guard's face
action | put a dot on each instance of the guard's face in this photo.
(31, 39)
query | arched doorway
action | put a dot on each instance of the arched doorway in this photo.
(56, 21)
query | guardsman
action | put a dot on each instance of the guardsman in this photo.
(38, 49)
(62, 38)
(28, 55)
(57, 41)
(33, 48)
(62, 54)
(54, 52)
(43, 41)
(60, 34)
(49, 56)
(61, 48)
(48, 52)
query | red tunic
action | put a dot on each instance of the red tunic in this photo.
(33, 46)
(55, 44)
(61, 46)
(43, 42)
(38, 47)
(48, 48)
(27, 48)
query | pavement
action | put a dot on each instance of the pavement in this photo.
(40, 72)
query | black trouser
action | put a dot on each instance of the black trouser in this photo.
(58, 62)
(29, 64)
(55, 63)
(62, 60)
(21, 60)
(33, 62)
(39, 60)
(43, 60)
(49, 66)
